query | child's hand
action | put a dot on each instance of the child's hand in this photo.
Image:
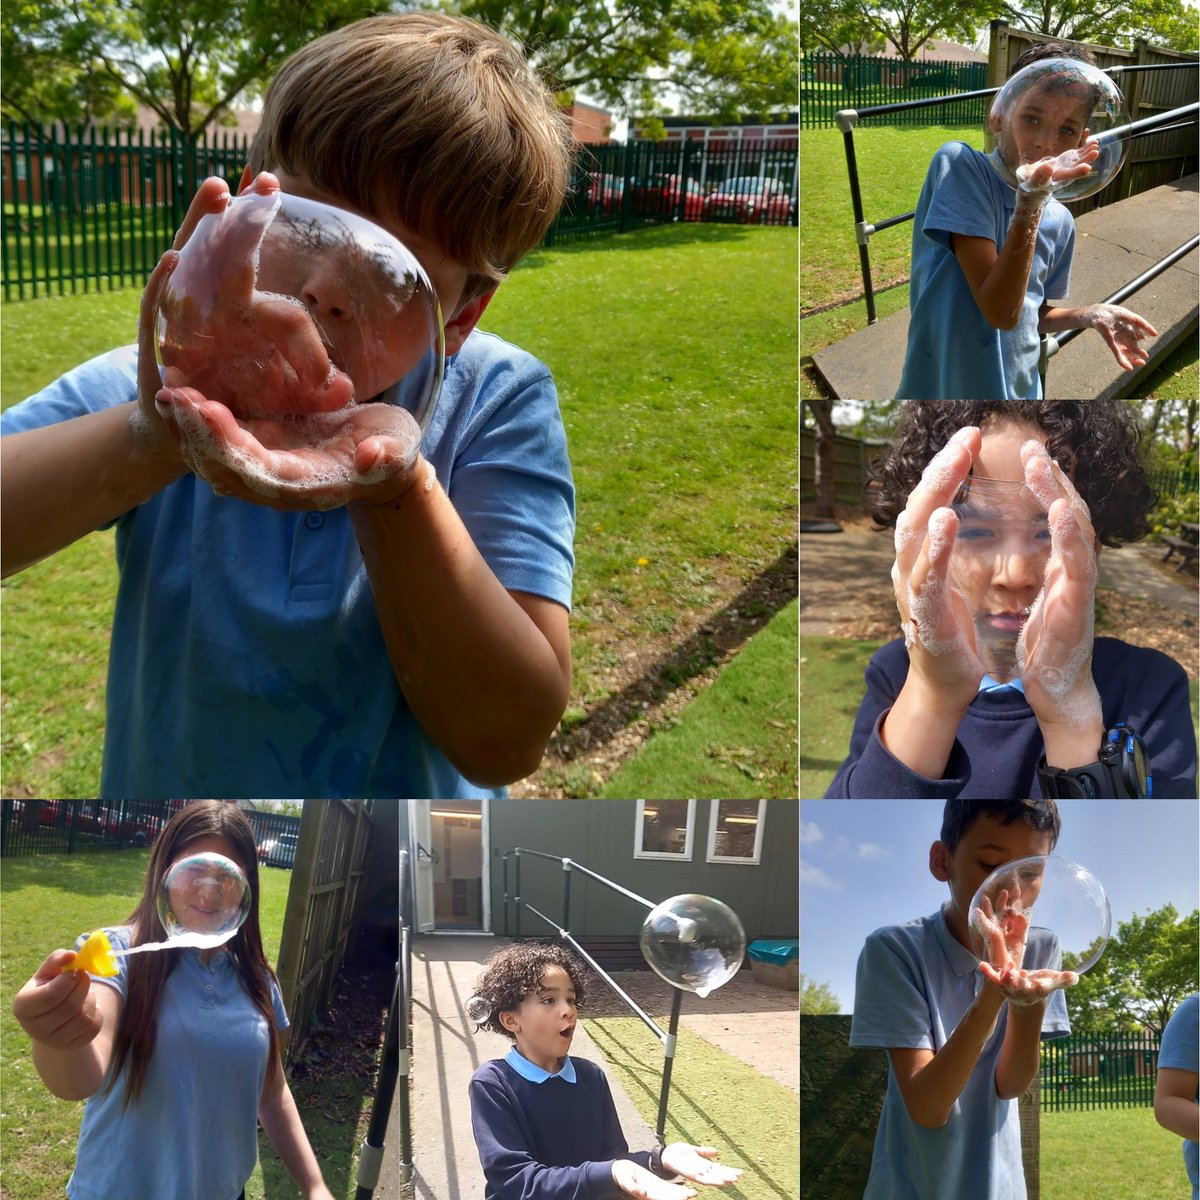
(57, 1008)
(1054, 649)
(1121, 331)
(698, 1163)
(1004, 934)
(645, 1185)
(1048, 173)
(938, 629)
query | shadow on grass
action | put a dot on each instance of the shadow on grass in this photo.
(626, 1056)
(77, 873)
(714, 641)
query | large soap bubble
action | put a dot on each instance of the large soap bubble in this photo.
(1050, 109)
(203, 900)
(1058, 896)
(1003, 538)
(285, 307)
(694, 942)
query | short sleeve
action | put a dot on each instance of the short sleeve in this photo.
(118, 938)
(1180, 1047)
(962, 197)
(102, 382)
(281, 1017)
(891, 1008)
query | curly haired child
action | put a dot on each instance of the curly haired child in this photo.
(545, 1123)
(934, 722)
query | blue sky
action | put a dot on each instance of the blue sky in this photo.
(864, 863)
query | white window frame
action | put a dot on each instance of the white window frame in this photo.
(639, 829)
(712, 857)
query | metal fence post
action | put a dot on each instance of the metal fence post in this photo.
(669, 1044)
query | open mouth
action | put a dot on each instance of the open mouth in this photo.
(568, 1033)
(1006, 622)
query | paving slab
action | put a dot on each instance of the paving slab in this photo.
(1113, 245)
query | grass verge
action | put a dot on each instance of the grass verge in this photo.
(716, 1100)
(737, 739)
(1140, 1161)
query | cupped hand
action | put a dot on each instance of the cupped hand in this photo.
(636, 1181)
(937, 624)
(698, 1164)
(1052, 172)
(1121, 330)
(367, 452)
(1054, 649)
(1004, 930)
(56, 1007)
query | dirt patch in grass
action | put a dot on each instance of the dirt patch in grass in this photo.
(652, 679)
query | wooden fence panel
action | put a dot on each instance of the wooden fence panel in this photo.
(322, 909)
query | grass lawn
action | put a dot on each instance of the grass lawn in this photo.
(718, 745)
(715, 1100)
(1110, 1154)
(47, 901)
(674, 350)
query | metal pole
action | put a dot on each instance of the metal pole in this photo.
(566, 866)
(669, 1042)
(370, 1157)
(517, 854)
(846, 120)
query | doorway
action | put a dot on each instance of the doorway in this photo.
(457, 863)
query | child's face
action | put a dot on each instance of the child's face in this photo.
(1043, 124)
(986, 845)
(1001, 548)
(544, 1022)
(203, 901)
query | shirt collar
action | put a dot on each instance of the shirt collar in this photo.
(536, 1074)
(961, 960)
(988, 684)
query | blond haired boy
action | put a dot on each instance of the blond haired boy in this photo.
(401, 637)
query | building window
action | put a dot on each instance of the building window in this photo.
(664, 829)
(735, 831)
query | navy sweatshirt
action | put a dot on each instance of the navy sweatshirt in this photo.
(547, 1141)
(998, 744)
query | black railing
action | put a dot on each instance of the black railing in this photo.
(848, 118)
(668, 1038)
(72, 826)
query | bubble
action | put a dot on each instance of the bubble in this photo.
(997, 564)
(478, 1008)
(1049, 109)
(694, 942)
(203, 900)
(281, 306)
(1058, 896)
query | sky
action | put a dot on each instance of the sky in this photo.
(864, 864)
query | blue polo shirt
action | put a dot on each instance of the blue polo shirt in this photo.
(915, 983)
(247, 657)
(1180, 1049)
(953, 353)
(193, 1135)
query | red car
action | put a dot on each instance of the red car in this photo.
(748, 198)
(604, 192)
(668, 194)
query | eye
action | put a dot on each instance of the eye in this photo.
(989, 867)
(974, 533)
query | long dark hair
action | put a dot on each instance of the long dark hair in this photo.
(138, 1027)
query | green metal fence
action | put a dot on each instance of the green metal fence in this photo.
(1086, 1071)
(93, 209)
(831, 82)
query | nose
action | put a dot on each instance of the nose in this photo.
(326, 293)
(1018, 568)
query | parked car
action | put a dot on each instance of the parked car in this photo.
(748, 198)
(664, 194)
(279, 851)
(604, 192)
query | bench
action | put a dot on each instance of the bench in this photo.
(1187, 546)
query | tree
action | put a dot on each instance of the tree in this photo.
(1114, 23)
(822, 411)
(909, 24)
(1146, 970)
(187, 60)
(730, 58)
(818, 999)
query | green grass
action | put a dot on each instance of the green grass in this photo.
(716, 1100)
(1114, 1154)
(831, 689)
(674, 350)
(48, 900)
(737, 739)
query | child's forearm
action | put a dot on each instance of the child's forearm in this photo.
(1179, 1115)
(920, 730)
(1058, 320)
(1000, 287)
(1020, 1056)
(486, 684)
(281, 1122)
(66, 480)
(931, 1092)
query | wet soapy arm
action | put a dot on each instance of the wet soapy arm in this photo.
(999, 279)
(485, 671)
(1020, 1055)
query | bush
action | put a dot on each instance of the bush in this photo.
(1171, 512)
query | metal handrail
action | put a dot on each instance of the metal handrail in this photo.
(668, 1038)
